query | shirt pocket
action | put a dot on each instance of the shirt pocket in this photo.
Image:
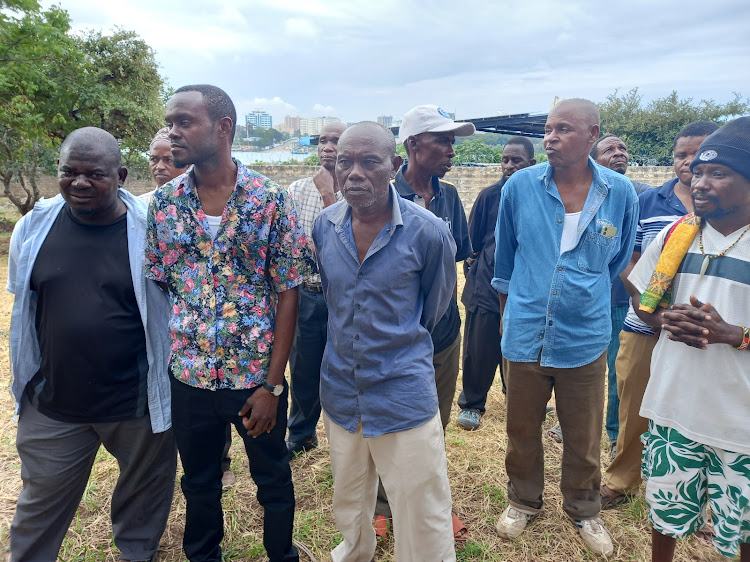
(595, 252)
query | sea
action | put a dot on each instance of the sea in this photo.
(267, 156)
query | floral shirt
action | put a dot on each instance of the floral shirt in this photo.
(223, 289)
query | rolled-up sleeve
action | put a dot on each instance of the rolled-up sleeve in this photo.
(505, 243)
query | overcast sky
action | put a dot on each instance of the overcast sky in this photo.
(359, 59)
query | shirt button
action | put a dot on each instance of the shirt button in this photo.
(356, 366)
(554, 292)
(361, 392)
(356, 337)
(357, 306)
(559, 269)
(540, 337)
(359, 275)
(559, 220)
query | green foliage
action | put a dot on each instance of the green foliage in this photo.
(52, 83)
(474, 150)
(650, 130)
(311, 160)
(401, 151)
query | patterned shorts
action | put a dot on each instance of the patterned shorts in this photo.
(682, 476)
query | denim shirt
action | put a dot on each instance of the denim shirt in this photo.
(559, 305)
(28, 236)
(377, 366)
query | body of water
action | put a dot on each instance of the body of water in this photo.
(267, 157)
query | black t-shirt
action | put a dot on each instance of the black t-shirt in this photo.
(91, 336)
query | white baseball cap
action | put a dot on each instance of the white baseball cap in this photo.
(431, 119)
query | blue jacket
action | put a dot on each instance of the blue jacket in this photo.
(559, 305)
(28, 236)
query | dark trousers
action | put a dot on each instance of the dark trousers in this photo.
(304, 364)
(199, 420)
(56, 461)
(482, 357)
(579, 400)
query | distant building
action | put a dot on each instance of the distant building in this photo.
(292, 123)
(309, 126)
(258, 118)
(386, 120)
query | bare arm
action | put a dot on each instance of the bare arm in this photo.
(503, 299)
(624, 277)
(263, 405)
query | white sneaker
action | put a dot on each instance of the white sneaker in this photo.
(512, 522)
(595, 535)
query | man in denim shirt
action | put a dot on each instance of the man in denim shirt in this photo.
(565, 229)
(388, 272)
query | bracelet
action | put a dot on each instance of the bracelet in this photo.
(745, 339)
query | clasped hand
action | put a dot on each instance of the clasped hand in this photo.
(697, 324)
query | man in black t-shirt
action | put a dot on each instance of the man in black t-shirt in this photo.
(89, 352)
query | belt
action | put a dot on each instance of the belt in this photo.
(312, 286)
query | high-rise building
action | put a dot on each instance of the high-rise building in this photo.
(292, 123)
(386, 120)
(309, 126)
(258, 118)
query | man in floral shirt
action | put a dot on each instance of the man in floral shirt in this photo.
(225, 242)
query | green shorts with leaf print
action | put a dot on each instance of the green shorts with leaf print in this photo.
(682, 476)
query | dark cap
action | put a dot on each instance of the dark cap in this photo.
(728, 145)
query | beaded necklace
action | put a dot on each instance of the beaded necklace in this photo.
(708, 257)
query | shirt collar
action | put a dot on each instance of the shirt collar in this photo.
(597, 179)
(404, 189)
(668, 188)
(187, 180)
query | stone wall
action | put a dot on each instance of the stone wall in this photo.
(468, 180)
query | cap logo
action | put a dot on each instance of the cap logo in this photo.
(707, 155)
(442, 112)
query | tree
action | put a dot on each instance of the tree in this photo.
(39, 66)
(649, 130)
(475, 150)
(52, 83)
(124, 91)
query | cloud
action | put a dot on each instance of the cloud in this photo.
(320, 109)
(296, 27)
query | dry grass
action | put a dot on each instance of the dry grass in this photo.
(478, 481)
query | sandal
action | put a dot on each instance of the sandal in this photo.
(706, 534)
(555, 434)
(460, 532)
(610, 498)
(382, 526)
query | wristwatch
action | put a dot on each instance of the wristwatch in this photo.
(276, 390)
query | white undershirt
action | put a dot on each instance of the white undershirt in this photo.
(213, 224)
(570, 229)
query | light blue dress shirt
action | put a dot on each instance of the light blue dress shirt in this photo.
(28, 236)
(377, 367)
(559, 305)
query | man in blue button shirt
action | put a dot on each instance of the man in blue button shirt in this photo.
(388, 273)
(565, 229)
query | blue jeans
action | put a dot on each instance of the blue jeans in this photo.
(613, 402)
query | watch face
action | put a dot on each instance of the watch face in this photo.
(278, 389)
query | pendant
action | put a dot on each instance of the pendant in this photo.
(704, 265)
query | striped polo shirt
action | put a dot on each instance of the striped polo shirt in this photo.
(658, 208)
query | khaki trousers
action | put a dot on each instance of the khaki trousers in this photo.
(414, 471)
(633, 370)
(579, 401)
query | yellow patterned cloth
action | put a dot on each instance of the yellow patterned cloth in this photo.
(678, 241)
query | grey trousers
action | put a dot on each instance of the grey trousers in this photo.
(56, 460)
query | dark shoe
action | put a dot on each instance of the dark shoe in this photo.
(297, 447)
